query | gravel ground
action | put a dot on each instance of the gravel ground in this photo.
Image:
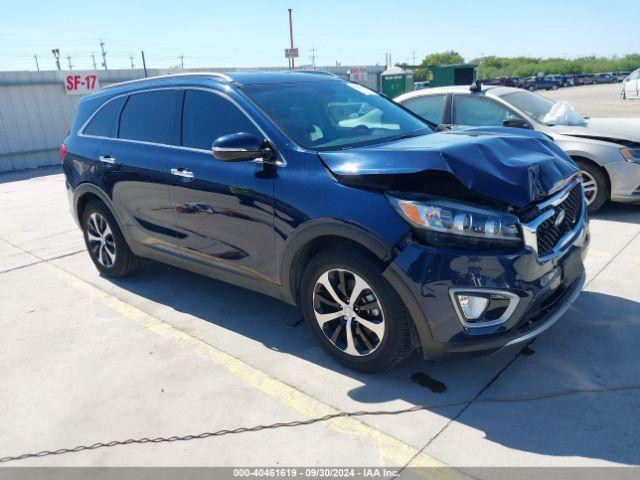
(597, 100)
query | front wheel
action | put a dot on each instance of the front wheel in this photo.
(595, 184)
(354, 312)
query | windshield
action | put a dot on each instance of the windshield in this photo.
(533, 105)
(334, 115)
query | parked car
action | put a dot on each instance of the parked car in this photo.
(603, 78)
(587, 79)
(606, 150)
(540, 83)
(631, 85)
(421, 85)
(620, 76)
(562, 80)
(389, 236)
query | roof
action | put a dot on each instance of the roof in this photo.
(239, 78)
(494, 89)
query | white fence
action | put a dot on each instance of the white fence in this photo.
(36, 112)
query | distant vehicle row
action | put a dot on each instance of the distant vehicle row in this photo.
(553, 82)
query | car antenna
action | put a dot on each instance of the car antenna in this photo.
(476, 87)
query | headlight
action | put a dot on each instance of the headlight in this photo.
(457, 221)
(631, 155)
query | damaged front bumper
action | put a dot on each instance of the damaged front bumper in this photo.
(425, 277)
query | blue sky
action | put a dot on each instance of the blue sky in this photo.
(254, 33)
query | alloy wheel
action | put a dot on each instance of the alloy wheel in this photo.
(590, 187)
(101, 242)
(348, 312)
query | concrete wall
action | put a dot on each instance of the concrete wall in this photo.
(35, 110)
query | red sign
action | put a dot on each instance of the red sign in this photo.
(291, 53)
(358, 74)
(81, 83)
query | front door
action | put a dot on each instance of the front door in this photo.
(224, 210)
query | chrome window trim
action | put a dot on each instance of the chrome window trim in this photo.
(530, 229)
(282, 162)
(514, 300)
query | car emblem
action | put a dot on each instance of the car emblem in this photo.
(559, 218)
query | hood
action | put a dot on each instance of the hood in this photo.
(514, 168)
(616, 130)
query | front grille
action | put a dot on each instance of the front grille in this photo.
(551, 231)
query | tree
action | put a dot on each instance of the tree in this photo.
(443, 58)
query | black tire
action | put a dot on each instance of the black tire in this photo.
(396, 342)
(603, 189)
(126, 262)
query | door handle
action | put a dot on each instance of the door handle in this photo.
(182, 172)
(107, 159)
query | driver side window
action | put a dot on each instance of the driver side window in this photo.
(477, 111)
(207, 116)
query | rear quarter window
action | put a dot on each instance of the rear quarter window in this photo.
(105, 122)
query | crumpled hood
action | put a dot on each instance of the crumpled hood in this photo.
(513, 167)
(613, 128)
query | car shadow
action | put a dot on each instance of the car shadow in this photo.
(594, 345)
(618, 212)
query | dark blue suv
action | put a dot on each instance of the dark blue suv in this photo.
(324, 194)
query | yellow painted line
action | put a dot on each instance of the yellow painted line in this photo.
(389, 447)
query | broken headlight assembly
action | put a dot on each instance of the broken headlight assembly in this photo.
(446, 223)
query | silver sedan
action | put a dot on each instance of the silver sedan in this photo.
(606, 150)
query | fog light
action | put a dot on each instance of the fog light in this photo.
(479, 307)
(472, 306)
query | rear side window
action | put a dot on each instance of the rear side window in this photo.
(146, 117)
(207, 116)
(479, 112)
(105, 122)
(430, 107)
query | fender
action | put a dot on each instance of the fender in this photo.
(85, 188)
(328, 227)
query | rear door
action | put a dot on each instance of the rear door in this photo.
(135, 168)
(224, 210)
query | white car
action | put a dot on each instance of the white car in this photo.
(631, 85)
(607, 150)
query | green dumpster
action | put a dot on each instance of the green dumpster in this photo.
(457, 74)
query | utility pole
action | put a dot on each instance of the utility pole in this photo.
(69, 60)
(293, 60)
(313, 57)
(144, 64)
(413, 57)
(181, 58)
(56, 54)
(35, 57)
(132, 64)
(93, 59)
(104, 55)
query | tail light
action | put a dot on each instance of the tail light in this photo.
(63, 152)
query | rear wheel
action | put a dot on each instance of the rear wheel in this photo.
(354, 312)
(105, 243)
(595, 184)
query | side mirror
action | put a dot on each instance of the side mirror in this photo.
(516, 123)
(238, 147)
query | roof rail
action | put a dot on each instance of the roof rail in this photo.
(222, 76)
(316, 72)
